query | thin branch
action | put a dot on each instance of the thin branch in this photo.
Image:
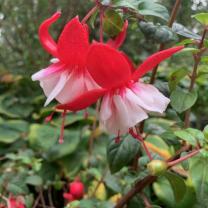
(89, 14)
(170, 23)
(139, 186)
(186, 157)
(197, 58)
(146, 201)
(36, 201)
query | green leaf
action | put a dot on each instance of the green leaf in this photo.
(204, 60)
(188, 50)
(205, 132)
(120, 154)
(112, 23)
(183, 31)
(197, 134)
(181, 100)
(202, 18)
(199, 176)
(42, 137)
(8, 135)
(112, 182)
(17, 185)
(34, 180)
(175, 78)
(164, 192)
(71, 142)
(185, 42)
(186, 136)
(132, 4)
(158, 33)
(149, 7)
(178, 185)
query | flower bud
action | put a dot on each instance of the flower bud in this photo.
(157, 167)
(77, 189)
(69, 197)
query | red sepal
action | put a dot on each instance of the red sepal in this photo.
(83, 101)
(153, 60)
(45, 38)
(118, 41)
(107, 66)
(73, 43)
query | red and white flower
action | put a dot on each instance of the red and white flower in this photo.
(126, 101)
(67, 77)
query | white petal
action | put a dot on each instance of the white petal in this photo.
(77, 84)
(105, 109)
(44, 73)
(74, 87)
(149, 97)
(58, 88)
(124, 114)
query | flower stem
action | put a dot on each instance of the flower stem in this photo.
(175, 162)
(89, 14)
(197, 58)
(138, 137)
(101, 24)
(170, 23)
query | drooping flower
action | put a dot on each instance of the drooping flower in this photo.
(126, 101)
(67, 77)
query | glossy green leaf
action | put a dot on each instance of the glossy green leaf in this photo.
(186, 136)
(42, 137)
(112, 23)
(71, 142)
(202, 18)
(164, 192)
(175, 78)
(178, 185)
(34, 180)
(132, 4)
(149, 7)
(181, 100)
(120, 154)
(183, 31)
(205, 132)
(199, 176)
(197, 134)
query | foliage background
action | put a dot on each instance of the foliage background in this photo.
(33, 165)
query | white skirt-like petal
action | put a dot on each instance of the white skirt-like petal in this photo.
(121, 111)
(64, 85)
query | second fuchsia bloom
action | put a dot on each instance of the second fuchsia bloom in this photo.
(126, 101)
(67, 77)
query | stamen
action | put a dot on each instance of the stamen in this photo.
(49, 118)
(61, 138)
(118, 138)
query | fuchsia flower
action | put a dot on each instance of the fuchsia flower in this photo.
(67, 77)
(126, 101)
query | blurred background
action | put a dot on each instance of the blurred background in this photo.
(32, 164)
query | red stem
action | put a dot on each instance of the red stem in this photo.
(101, 25)
(138, 137)
(175, 162)
(89, 14)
